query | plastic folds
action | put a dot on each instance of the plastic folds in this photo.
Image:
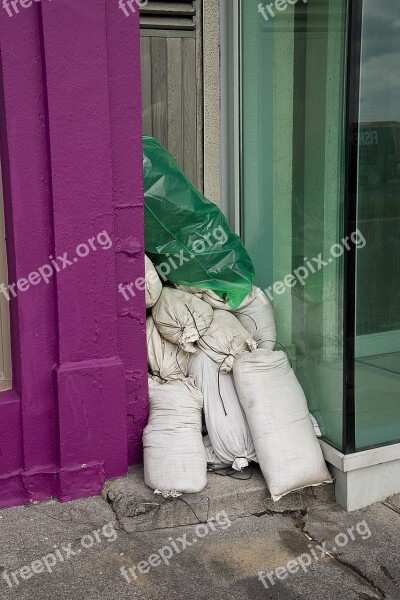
(186, 236)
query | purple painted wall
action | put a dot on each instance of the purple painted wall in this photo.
(71, 153)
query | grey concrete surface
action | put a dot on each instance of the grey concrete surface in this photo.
(221, 561)
(138, 509)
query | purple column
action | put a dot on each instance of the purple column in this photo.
(28, 413)
(91, 394)
(71, 154)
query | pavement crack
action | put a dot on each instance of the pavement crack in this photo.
(388, 574)
(208, 507)
(391, 507)
(298, 515)
(378, 592)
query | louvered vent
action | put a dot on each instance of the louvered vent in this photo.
(160, 14)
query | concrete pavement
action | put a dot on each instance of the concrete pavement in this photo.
(315, 550)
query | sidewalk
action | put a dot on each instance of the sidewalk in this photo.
(218, 560)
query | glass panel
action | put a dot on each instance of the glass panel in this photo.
(292, 94)
(377, 369)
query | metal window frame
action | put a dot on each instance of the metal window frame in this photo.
(231, 112)
(354, 57)
(355, 9)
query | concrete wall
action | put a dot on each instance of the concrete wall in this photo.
(212, 100)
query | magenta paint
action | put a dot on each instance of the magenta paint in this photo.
(72, 167)
(123, 37)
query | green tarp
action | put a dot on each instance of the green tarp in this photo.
(186, 236)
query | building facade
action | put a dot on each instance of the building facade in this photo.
(287, 115)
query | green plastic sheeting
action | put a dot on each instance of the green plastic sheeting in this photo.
(187, 237)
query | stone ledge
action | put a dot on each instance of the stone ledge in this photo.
(138, 509)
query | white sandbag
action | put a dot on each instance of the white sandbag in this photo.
(213, 461)
(152, 283)
(258, 318)
(215, 301)
(317, 429)
(174, 454)
(165, 360)
(225, 340)
(210, 297)
(196, 291)
(287, 449)
(182, 318)
(218, 303)
(225, 420)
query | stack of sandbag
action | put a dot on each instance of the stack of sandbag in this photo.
(175, 460)
(174, 455)
(257, 413)
(287, 449)
(153, 285)
(181, 317)
(230, 442)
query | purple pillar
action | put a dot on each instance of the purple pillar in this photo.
(71, 157)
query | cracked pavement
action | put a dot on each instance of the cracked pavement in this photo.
(224, 563)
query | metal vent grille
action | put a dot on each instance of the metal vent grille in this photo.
(160, 14)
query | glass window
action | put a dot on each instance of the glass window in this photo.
(377, 350)
(292, 157)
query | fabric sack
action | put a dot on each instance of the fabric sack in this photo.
(153, 285)
(258, 318)
(213, 461)
(225, 420)
(225, 340)
(219, 303)
(166, 361)
(287, 449)
(212, 298)
(181, 317)
(174, 455)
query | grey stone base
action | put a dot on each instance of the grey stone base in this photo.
(138, 509)
(364, 478)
